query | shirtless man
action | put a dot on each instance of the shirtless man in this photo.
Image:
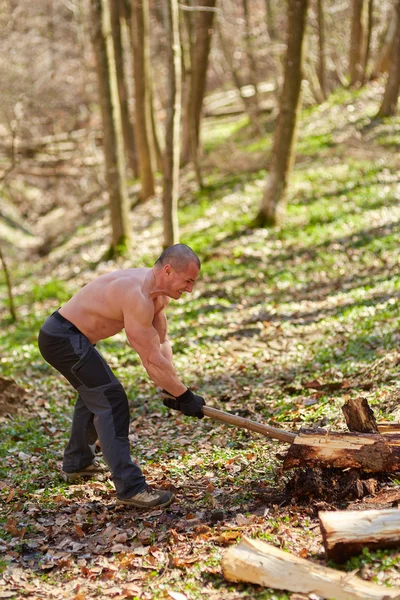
(134, 300)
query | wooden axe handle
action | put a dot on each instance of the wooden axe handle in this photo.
(271, 432)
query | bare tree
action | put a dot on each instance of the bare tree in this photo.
(253, 77)
(273, 202)
(270, 16)
(321, 70)
(13, 313)
(112, 142)
(116, 11)
(173, 123)
(205, 11)
(390, 98)
(357, 42)
(383, 59)
(368, 39)
(143, 122)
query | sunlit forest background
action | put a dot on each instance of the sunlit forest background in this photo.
(266, 136)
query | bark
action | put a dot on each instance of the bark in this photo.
(112, 144)
(187, 39)
(391, 95)
(368, 452)
(321, 70)
(253, 78)
(345, 533)
(357, 43)
(263, 564)
(382, 63)
(368, 39)
(199, 61)
(127, 127)
(173, 122)
(272, 204)
(143, 125)
(270, 16)
(359, 416)
(11, 306)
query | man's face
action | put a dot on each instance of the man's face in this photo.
(181, 281)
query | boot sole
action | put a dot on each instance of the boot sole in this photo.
(75, 476)
(144, 505)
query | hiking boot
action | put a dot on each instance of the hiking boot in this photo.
(90, 471)
(149, 498)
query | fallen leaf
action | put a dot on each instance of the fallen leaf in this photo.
(177, 595)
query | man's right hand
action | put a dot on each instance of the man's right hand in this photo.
(188, 403)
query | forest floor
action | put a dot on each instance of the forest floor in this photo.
(283, 327)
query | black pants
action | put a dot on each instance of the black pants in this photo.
(101, 410)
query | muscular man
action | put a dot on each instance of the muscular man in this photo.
(134, 300)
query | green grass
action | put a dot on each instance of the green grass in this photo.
(314, 299)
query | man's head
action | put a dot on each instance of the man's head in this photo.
(179, 269)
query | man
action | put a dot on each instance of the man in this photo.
(134, 300)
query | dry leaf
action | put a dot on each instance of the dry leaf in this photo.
(177, 595)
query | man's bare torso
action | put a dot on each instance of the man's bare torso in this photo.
(97, 309)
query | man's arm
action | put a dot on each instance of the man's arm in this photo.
(161, 326)
(143, 336)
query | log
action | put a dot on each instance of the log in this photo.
(359, 416)
(389, 428)
(257, 562)
(369, 452)
(346, 533)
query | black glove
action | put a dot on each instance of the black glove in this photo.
(188, 403)
(170, 401)
(191, 405)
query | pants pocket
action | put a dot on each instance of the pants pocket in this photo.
(91, 370)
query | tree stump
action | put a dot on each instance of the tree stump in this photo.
(359, 416)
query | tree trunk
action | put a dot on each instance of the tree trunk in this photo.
(272, 204)
(127, 127)
(173, 123)
(253, 78)
(11, 306)
(368, 39)
(390, 98)
(269, 12)
(357, 43)
(321, 70)
(143, 125)
(112, 144)
(346, 533)
(260, 563)
(199, 61)
(369, 452)
(187, 39)
(382, 63)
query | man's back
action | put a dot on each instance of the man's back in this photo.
(97, 309)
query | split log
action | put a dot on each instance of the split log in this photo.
(366, 451)
(389, 428)
(360, 416)
(346, 533)
(263, 564)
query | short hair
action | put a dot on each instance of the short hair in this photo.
(179, 256)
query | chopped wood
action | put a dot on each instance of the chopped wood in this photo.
(389, 428)
(359, 416)
(369, 452)
(346, 533)
(257, 562)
